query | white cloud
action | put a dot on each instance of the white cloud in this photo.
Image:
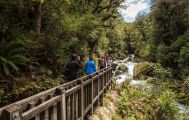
(133, 8)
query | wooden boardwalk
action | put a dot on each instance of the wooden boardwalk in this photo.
(74, 100)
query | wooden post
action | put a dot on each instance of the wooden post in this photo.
(81, 100)
(54, 112)
(92, 92)
(62, 116)
(112, 84)
(98, 90)
(103, 82)
(31, 105)
(37, 117)
(108, 77)
(13, 113)
(45, 114)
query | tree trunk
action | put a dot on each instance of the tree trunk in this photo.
(37, 26)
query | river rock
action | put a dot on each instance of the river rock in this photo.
(114, 66)
(118, 72)
(142, 68)
(122, 68)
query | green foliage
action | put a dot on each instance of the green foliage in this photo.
(162, 35)
(187, 81)
(145, 51)
(12, 55)
(28, 89)
(181, 48)
(168, 108)
(50, 31)
(140, 103)
(169, 24)
(160, 72)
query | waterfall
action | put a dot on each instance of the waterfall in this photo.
(128, 74)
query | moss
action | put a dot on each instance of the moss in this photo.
(118, 72)
(142, 68)
(123, 68)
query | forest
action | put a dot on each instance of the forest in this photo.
(37, 38)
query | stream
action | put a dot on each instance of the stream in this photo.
(129, 75)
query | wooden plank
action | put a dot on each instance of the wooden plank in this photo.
(87, 109)
(87, 82)
(71, 107)
(98, 90)
(92, 92)
(82, 101)
(79, 103)
(38, 109)
(30, 106)
(53, 112)
(76, 105)
(80, 97)
(96, 98)
(13, 113)
(37, 117)
(42, 113)
(68, 108)
(72, 90)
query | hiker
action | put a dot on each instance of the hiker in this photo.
(102, 63)
(90, 66)
(73, 67)
(108, 60)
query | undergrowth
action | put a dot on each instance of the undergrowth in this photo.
(144, 103)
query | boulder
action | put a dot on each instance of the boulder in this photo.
(118, 72)
(122, 68)
(142, 68)
(130, 57)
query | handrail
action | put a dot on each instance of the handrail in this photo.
(69, 101)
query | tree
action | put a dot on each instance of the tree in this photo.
(38, 15)
(170, 19)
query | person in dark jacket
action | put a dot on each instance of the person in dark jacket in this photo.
(90, 66)
(72, 68)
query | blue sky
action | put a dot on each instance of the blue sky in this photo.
(133, 8)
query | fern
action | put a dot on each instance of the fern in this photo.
(12, 54)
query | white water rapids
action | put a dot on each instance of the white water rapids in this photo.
(128, 75)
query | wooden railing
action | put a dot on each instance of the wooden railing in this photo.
(71, 101)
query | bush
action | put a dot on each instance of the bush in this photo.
(12, 55)
(142, 104)
(186, 81)
(167, 106)
(28, 89)
(160, 72)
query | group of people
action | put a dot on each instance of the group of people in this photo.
(75, 64)
(103, 61)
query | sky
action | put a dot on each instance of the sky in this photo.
(133, 8)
